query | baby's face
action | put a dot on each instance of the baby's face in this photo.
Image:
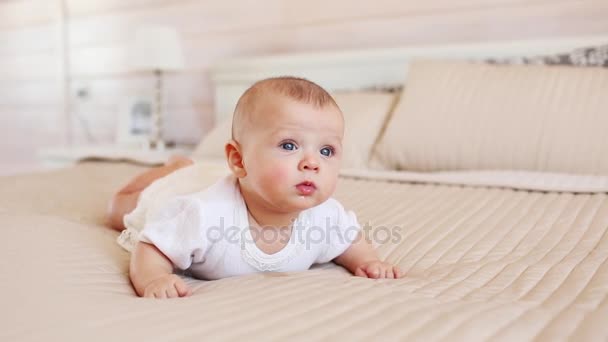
(292, 153)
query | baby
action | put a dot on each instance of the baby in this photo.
(273, 213)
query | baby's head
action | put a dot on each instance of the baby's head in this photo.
(286, 145)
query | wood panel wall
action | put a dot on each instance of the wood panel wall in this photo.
(98, 33)
(31, 72)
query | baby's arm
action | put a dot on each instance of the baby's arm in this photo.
(151, 273)
(361, 260)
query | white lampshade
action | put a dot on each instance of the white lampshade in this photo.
(156, 48)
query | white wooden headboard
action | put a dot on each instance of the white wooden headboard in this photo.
(360, 69)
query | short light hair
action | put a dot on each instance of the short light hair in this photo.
(295, 88)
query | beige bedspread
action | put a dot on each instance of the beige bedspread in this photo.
(481, 264)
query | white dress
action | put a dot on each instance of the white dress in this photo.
(208, 234)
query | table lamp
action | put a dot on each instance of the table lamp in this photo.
(157, 49)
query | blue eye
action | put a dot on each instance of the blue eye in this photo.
(327, 151)
(288, 146)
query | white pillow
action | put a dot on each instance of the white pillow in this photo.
(365, 113)
(459, 115)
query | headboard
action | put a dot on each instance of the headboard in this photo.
(370, 68)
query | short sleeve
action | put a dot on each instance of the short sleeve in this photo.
(178, 231)
(340, 229)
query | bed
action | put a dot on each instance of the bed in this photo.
(494, 248)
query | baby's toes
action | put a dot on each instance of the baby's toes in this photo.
(179, 161)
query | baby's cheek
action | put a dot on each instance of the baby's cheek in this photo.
(277, 174)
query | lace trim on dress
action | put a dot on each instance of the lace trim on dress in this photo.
(128, 238)
(271, 262)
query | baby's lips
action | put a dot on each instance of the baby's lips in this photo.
(308, 183)
(306, 188)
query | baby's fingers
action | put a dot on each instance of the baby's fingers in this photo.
(171, 292)
(150, 293)
(182, 289)
(359, 272)
(388, 273)
(397, 272)
(373, 272)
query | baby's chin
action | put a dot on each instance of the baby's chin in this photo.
(295, 203)
(306, 202)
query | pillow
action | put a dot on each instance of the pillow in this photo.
(458, 115)
(212, 145)
(365, 113)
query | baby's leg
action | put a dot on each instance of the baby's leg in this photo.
(125, 200)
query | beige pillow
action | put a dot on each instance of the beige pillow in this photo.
(364, 113)
(458, 115)
(212, 145)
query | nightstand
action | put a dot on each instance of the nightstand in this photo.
(57, 157)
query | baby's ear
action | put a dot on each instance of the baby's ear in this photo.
(235, 158)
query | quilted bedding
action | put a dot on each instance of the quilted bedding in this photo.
(481, 263)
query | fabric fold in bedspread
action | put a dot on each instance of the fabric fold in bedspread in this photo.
(481, 263)
(520, 180)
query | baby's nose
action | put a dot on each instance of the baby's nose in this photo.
(309, 163)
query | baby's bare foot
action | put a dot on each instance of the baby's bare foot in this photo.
(178, 161)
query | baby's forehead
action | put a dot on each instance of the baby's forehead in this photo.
(271, 108)
(295, 112)
(273, 101)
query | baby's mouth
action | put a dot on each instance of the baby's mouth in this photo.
(306, 188)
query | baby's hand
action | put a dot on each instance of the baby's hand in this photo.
(167, 286)
(378, 269)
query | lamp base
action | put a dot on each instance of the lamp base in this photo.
(158, 145)
(161, 145)
(156, 141)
